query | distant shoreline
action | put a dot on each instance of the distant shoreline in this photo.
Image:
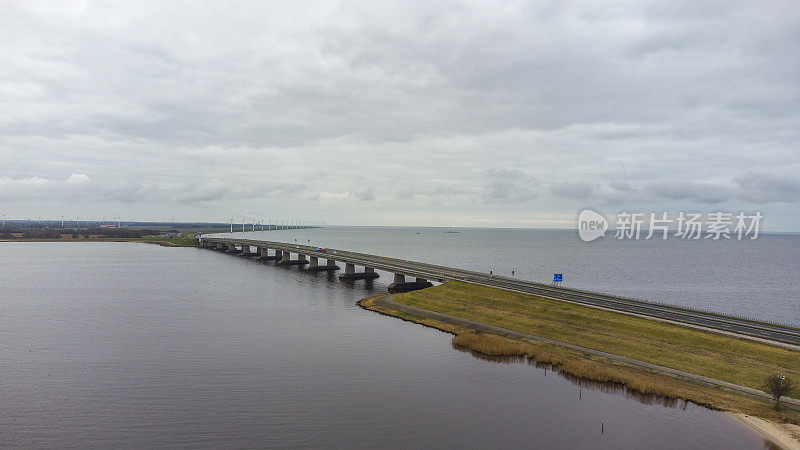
(165, 242)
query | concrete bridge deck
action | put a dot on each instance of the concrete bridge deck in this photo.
(422, 272)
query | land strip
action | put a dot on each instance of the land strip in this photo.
(164, 241)
(389, 301)
(715, 356)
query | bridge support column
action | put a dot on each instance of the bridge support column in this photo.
(401, 285)
(232, 249)
(315, 267)
(288, 261)
(246, 250)
(265, 256)
(220, 246)
(351, 274)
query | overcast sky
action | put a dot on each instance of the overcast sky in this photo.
(399, 113)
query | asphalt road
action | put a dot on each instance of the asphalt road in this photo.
(754, 329)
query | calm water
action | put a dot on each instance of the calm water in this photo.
(115, 344)
(753, 278)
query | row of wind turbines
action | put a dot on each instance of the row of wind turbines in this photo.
(277, 224)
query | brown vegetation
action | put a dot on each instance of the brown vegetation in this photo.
(582, 368)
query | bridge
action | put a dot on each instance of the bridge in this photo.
(422, 274)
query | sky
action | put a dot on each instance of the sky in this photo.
(489, 114)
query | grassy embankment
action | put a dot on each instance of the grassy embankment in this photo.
(703, 353)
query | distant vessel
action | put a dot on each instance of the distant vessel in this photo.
(451, 231)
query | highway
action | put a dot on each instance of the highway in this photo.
(432, 272)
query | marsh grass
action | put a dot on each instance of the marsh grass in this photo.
(572, 368)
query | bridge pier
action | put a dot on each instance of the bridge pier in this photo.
(315, 267)
(246, 250)
(401, 285)
(288, 261)
(264, 254)
(351, 274)
(232, 249)
(220, 246)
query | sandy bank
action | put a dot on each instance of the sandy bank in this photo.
(784, 435)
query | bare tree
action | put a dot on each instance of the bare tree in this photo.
(777, 386)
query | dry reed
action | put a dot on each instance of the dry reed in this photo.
(585, 369)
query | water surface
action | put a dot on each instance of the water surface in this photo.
(129, 345)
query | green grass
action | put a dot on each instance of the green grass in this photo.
(713, 355)
(182, 239)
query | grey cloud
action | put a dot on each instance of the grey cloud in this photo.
(407, 195)
(441, 195)
(38, 188)
(509, 185)
(364, 195)
(765, 188)
(210, 191)
(621, 186)
(82, 187)
(693, 191)
(420, 74)
(579, 190)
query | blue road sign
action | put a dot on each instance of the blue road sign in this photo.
(557, 277)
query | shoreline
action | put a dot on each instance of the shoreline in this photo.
(748, 410)
(784, 435)
(163, 243)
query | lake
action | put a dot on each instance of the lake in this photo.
(131, 345)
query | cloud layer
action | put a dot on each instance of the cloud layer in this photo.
(444, 113)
